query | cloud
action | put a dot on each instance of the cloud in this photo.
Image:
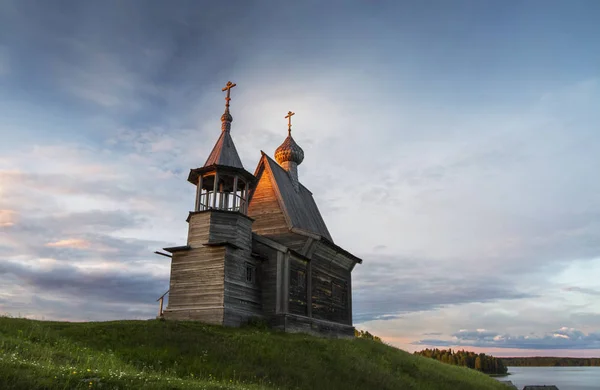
(563, 338)
(7, 218)
(68, 287)
(391, 286)
(583, 290)
(69, 243)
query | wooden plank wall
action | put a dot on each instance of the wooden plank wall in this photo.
(197, 285)
(198, 229)
(291, 240)
(298, 287)
(230, 227)
(301, 324)
(218, 227)
(243, 300)
(268, 277)
(325, 273)
(265, 210)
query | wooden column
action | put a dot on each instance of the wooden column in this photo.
(221, 197)
(279, 283)
(286, 282)
(349, 294)
(160, 307)
(235, 196)
(246, 192)
(206, 200)
(309, 289)
(215, 188)
(225, 202)
(199, 193)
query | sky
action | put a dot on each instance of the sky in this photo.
(453, 146)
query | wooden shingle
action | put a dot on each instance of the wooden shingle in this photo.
(224, 153)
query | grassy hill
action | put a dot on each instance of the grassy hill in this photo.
(182, 355)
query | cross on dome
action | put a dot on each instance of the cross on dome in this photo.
(289, 118)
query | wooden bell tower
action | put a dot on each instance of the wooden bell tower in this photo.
(213, 277)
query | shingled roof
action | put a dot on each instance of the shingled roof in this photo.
(299, 207)
(224, 153)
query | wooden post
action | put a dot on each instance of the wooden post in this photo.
(214, 199)
(235, 196)
(206, 200)
(245, 196)
(286, 282)
(309, 289)
(221, 197)
(278, 292)
(349, 298)
(199, 193)
(160, 306)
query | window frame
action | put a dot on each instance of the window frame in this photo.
(250, 273)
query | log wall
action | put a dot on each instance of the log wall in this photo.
(331, 295)
(243, 298)
(197, 285)
(298, 287)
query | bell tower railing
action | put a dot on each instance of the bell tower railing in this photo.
(222, 192)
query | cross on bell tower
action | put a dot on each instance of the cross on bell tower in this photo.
(226, 118)
(222, 183)
(228, 89)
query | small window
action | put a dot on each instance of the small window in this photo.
(250, 273)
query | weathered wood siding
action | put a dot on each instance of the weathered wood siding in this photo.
(331, 299)
(198, 229)
(300, 324)
(208, 281)
(268, 278)
(197, 285)
(210, 227)
(291, 240)
(298, 286)
(243, 299)
(265, 210)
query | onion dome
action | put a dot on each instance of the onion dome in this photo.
(289, 151)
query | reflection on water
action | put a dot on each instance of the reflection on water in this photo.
(565, 378)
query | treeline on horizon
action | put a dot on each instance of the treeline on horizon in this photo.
(480, 362)
(543, 361)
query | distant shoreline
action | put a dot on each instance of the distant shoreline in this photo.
(550, 361)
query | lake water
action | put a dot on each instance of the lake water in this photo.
(565, 378)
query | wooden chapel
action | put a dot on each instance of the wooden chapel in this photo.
(258, 247)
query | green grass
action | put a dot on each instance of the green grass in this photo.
(187, 355)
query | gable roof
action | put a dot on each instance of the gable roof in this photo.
(298, 207)
(224, 152)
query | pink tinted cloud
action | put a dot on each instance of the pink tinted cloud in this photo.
(74, 243)
(7, 218)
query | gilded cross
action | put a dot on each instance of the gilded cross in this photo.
(289, 118)
(228, 89)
